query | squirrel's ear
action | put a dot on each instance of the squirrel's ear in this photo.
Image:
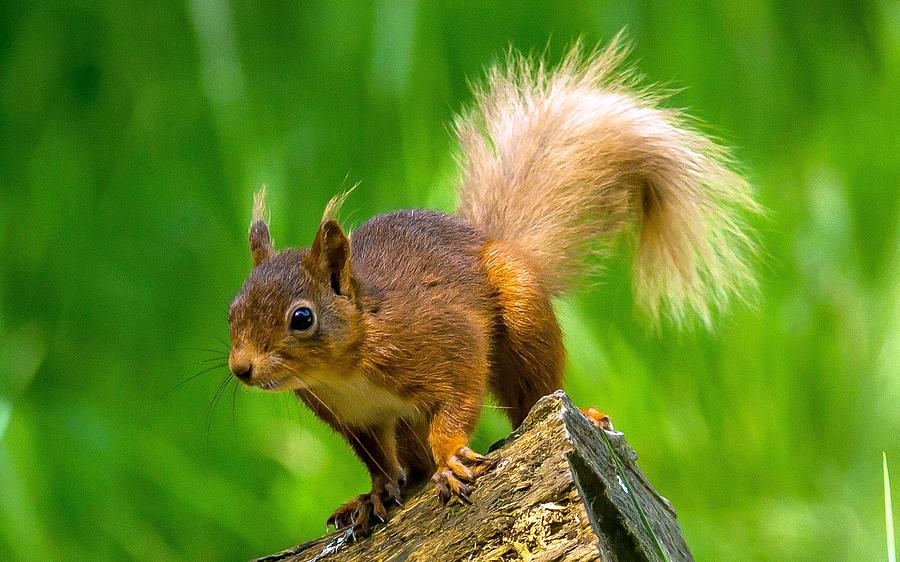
(261, 247)
(330, 255)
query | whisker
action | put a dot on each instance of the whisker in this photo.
(201, 361)
(348, 432)
(215, 402)
(181, 383)
(234, 391)
(206, 349)
(415, 434)
(293, 400)
(345, 430)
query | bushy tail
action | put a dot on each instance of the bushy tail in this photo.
(558, 162)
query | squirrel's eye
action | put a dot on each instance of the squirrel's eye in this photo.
(302, 319)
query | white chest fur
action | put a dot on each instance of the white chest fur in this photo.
(359, 403)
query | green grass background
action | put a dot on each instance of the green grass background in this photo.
(133, 134)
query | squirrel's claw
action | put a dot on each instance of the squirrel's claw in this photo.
(450, 486)
(453, 478)
(477, 462)
(378, 509)
(392, 491)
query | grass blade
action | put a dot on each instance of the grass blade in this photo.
(888, 512)
(620, 469)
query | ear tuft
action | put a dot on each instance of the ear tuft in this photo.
(260, 212)
(261, 246)
(335, 203)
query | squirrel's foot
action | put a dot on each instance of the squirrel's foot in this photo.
(454, 476)
(598, 418)
(366, 510)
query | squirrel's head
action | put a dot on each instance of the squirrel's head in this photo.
(295, 322)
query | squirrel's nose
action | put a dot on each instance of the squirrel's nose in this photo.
(243, 373)
(241, 367)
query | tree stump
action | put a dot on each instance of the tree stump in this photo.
(562, 490)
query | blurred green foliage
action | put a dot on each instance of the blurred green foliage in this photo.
(132, 136)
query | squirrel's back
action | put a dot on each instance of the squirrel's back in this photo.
(416, 249)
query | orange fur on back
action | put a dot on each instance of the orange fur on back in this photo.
(558, 162)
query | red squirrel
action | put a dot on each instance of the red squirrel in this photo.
(394, 334)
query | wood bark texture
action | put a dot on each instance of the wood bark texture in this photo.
(562, 490)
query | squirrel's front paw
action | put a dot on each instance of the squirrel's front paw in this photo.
(453, 477)
(359, 514)
(365, 510)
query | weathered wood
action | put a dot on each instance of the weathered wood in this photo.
(563, 490)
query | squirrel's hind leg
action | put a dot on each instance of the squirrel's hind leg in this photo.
(527, 353)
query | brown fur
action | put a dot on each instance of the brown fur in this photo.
(418, 314)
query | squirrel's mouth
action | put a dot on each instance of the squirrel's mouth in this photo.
(289, 382)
